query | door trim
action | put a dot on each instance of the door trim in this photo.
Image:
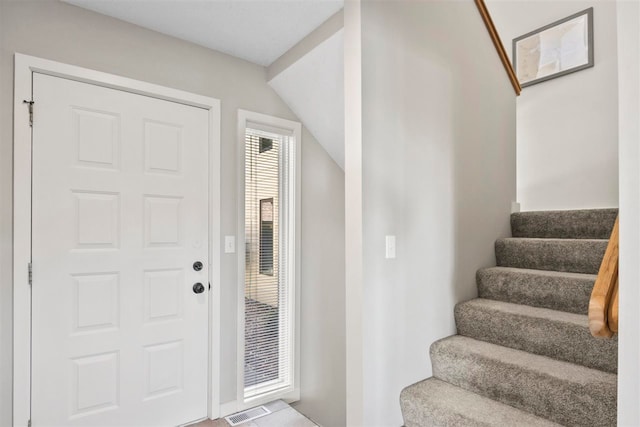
(25, 66)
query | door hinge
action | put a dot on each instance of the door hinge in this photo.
(30, 274)
(30, 111)
(29, 423)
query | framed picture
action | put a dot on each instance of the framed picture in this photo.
(557, 49)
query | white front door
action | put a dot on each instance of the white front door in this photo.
(120, 216)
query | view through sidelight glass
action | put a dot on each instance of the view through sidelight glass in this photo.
(268, 352)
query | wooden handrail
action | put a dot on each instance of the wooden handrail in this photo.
(613, 310)
(495, 38)
(603, 306)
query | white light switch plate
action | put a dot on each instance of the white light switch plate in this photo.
(390, 247)
(229, 244)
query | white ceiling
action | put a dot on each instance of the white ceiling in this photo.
(259, 31)
(313, 88)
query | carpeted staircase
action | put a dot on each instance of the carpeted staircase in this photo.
(523, 355)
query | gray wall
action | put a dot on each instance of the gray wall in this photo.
(322, 368)
(567, 128)
(64, 33)
(438, 172)
(629, 269)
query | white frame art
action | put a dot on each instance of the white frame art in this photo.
(25, 66)
(530, 52)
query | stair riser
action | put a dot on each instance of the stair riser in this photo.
(576, 256)
(570, 404)
(546, 337)
(585, 224)
(570, 294)
(417, 414)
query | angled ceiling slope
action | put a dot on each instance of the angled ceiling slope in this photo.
(313, 87)
(259, 31)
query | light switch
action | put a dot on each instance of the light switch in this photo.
(390, 247)
(229, 244)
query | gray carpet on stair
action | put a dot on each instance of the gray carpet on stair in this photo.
(568, 292)
(568, 255)
(566, 393)
(559, 335)
(435, 403)
(577, 224)
(524, 355)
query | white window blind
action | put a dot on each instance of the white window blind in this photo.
(269, 280)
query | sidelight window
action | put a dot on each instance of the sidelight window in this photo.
(269, 266)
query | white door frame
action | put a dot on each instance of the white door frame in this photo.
(22, 171)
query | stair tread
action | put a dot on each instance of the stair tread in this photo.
(435, 402)
(554, 290)
(546, 273)
(552, 240)
(566, 393)
(559, 369)
(557, 334)
(580, 320)
(570, 255)
(583, 223)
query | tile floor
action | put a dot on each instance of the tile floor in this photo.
(282, 415)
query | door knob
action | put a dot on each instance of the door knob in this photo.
(198, 288)
(197, 266)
